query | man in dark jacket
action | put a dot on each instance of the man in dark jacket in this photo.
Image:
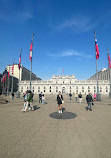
(89, 101)
(40, 98)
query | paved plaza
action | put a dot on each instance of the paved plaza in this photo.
(44, 133)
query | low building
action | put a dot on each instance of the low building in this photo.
(66, 84)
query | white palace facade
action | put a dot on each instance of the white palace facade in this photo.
(66, 84)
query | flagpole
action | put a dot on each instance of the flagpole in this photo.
(5, 83)
(109, 76)
(8, 84)
(19, 75)
(12, 79)
(98, 94)
(3, 86)
(31, 64)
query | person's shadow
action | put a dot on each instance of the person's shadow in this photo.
(36, 107)
(63, 109)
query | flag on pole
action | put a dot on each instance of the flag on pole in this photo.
(12, 68)
(109, 60)
(108, 57)
(30, 54)
(8, 74)
(19, 61)
(97, 49)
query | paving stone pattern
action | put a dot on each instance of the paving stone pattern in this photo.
(35, 134)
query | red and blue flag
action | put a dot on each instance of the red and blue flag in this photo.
(97, 49)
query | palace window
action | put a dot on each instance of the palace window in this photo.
(44, 91)
(50, 87)
(94, 91)
(50, 90)
(70, 87)
(27, 88)
(82, 87)
(88, 91)
(44, 87)
(88, 87)
(33, 87)
(56, 87)
(82, 91)
(106, 87)
(63, 82)
(76, 91)
(76, 87)
(70, 82)
(94, 87)
(56, 91)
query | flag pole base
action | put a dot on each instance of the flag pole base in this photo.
(18, 95)
(98, 98)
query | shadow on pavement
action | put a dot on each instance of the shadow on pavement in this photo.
(64, 115)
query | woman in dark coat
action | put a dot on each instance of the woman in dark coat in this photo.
(59, 102)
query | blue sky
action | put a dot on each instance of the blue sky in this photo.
(64, 35)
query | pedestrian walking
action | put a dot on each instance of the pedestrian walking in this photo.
(76, 95)
(59, 102)
(12, 95)
(25, 100)
(80, 97)
(43, 99)
(40, 98)
(70, 96)
(29, 101)
(89, 101)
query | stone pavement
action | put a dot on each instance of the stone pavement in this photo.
(35, 134)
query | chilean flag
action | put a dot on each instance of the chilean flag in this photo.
(97, 49)
(108, 57)
(30, 55)
(19, 61)
(12, 69)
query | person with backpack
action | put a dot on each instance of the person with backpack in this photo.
(59, 102)
(80, 97)
(89, 100)
(29, 101)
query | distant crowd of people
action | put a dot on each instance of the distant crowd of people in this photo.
(28, 100)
